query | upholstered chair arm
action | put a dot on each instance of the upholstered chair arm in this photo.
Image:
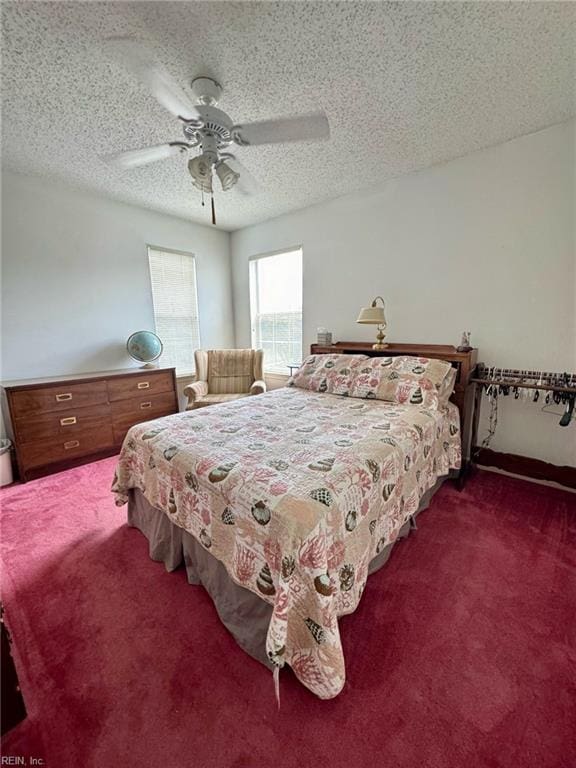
(196, 390)
(258, 387)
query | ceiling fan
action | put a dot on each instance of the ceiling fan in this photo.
(206, 128)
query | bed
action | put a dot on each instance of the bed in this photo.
(281, 505)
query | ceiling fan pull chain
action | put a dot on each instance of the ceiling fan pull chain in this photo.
(202, 197)
(213, 212)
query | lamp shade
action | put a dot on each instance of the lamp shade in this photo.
(372, 316)
(200, 168)
(227, 176)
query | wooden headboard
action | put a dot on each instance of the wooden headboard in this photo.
(464, 362)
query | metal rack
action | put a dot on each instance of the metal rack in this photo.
(514, 377)
(530, 386)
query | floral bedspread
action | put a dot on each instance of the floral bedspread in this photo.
(294, 492)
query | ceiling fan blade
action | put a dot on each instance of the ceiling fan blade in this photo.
(134, 56)
(301, 128)
(134, 158)
(246, 184)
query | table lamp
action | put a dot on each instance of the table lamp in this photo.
(374, 315)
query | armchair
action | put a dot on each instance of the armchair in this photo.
(225, 374)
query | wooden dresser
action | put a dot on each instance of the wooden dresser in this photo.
(61, 422)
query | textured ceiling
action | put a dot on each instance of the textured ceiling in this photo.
(405, 85)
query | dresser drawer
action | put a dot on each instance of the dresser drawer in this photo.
(55, 449)
(125, 387)
(62, 397)
(126, 413)
(61, 423)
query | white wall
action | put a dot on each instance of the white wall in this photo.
(484, 243)
(76, 282)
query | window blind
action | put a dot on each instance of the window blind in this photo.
(173, 278)
(276, 308)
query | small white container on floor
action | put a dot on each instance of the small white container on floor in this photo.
(5, 462)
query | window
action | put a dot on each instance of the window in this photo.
(276, 308)
(173, 277)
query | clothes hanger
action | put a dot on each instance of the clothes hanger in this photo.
(567, 415)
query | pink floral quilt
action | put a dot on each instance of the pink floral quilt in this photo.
(295, 492)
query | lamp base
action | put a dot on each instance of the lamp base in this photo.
(380, 336)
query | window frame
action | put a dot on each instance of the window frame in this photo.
(177, 252)
(253, 294)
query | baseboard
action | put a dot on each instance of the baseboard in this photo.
(526, 466)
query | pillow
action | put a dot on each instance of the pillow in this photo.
(403, 380)
(327, 373)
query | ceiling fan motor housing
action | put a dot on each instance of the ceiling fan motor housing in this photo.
(215, 123)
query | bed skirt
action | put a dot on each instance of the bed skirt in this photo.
(243, 613)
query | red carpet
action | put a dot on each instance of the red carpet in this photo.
(461, 655)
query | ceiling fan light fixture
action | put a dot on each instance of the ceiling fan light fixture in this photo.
(227, 176)
(200, 168)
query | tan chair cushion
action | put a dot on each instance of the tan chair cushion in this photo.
(230, 371)
(214, 399)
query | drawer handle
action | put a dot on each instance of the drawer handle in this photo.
(64, 396)
(67, 421)
(143, 385)
(146, 405)
(71, 444)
